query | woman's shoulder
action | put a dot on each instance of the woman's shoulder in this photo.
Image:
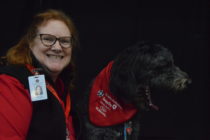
(15, 73)
(10, 84)
(8, 79)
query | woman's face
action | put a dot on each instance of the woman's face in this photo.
(54, 58)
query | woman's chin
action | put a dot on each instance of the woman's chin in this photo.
(54, 70)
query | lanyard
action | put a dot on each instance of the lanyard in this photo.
(52, 90)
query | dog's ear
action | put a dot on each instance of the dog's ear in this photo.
(122, 83)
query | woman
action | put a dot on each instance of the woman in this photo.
(44, 55)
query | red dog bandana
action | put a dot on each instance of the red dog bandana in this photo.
(104, 108)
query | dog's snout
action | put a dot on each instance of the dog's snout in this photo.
(181, 79)
(182, 83)
(186, 82)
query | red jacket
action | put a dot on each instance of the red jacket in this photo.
(16, 109)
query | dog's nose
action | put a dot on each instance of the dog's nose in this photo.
(186, 82)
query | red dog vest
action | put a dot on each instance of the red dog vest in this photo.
(104, 108)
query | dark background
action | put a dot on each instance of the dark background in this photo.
(106, 27)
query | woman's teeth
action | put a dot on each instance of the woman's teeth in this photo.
(55, 56)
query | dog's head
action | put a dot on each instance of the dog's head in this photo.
(143, 67)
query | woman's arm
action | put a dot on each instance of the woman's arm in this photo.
(15, 109)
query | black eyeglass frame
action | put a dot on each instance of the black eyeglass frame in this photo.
(55, 40)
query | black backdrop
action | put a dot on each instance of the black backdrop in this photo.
(106, 27)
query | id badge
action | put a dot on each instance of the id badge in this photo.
(37, 87)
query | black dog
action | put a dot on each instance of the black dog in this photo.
(125, 87)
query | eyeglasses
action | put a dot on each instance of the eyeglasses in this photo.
(49, 40)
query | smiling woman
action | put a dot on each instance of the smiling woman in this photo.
(45, 57)
(49, 50)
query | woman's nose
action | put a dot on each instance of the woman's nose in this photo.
(56, 46)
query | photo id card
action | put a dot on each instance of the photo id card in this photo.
(37, 87)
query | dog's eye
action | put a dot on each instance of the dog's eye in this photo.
(164, 66)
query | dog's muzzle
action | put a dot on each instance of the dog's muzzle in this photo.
(181, 84)
(180, 80)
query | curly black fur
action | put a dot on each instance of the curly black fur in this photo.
(136, 71)
(142, 66)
